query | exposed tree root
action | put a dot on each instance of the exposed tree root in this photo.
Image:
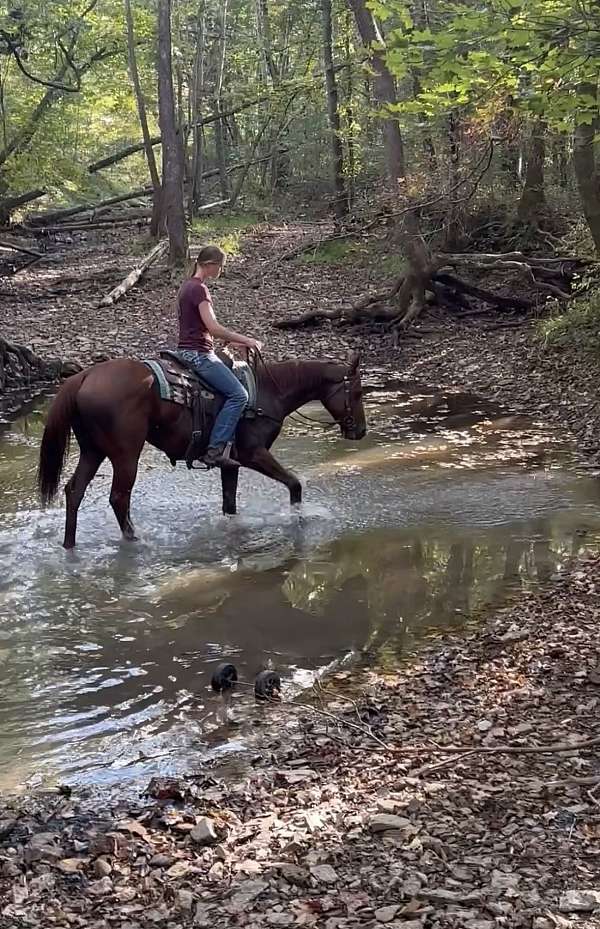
(434, 275)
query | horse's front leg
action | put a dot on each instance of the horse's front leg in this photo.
(261, 460)
(229, 485)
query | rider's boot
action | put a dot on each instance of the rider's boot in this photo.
(218, 457)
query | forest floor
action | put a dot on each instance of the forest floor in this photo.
(462, 792)
(53, 309)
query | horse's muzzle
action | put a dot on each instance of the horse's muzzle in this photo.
(355, 434)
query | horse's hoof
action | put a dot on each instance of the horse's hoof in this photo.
(224, 677)
(267, 685)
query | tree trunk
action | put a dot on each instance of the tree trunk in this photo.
(454, 213)
(385, 89)
(11, 203)
(219, 124)
(143, 118)
(421, 17)
(533, 196)
(340, 203)
(173, 208)
(197, 94)
(349, 111)
(586, 170)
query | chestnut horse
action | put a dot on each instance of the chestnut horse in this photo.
(115, 407)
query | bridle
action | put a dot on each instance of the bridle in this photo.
(346, 422)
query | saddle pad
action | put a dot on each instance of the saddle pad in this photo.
(176, 383)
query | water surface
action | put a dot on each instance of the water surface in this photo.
(106, 653)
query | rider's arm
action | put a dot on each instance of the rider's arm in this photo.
(214, 327)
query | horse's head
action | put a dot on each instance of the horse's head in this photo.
(343, 398)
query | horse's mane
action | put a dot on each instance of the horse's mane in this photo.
(299, 372)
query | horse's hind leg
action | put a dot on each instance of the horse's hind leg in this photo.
(89, 461)
(124, 475)
(229, 483)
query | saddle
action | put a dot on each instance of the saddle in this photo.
(178, 382)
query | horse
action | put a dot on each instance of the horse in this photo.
(114, 408)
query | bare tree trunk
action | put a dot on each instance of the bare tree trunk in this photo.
(560, 161)
(197, 93)
(219, 134)
(349, 114)
(25, 134)
(533, 196)
(586, 169)
(385, 88)
(452, 230)
(245, 169)
(143, 117)
(340, 203)
(172, 150)
(421, 18)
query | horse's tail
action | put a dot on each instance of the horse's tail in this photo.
(56, 438)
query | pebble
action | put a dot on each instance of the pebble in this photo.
(324, 873)
(101, 887)
(245, 893)
(102, 868)
(385, 914)
(384, 822)
(579, 901)
(204, 832)
(185, 900)
(294, 874)
(161, 861)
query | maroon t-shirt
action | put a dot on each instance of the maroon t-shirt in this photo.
(193, 334)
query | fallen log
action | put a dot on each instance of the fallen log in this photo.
(369, 307)
(34, 257)
(143, 218)
(517, 261)
(56, 216)
(11, 203)
(134, 276)
(486, 296)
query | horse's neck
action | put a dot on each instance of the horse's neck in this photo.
(299, 382)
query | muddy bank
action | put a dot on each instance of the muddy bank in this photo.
(462, 793)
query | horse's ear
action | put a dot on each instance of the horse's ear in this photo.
(353, 362)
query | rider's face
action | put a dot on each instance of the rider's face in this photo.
(215, 270)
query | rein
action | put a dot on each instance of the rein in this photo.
(346, 422)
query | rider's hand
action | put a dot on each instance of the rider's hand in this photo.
(254, 343)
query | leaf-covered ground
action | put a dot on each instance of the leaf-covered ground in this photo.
(53, 308)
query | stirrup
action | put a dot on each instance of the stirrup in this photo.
(191, 455)
(202, 466)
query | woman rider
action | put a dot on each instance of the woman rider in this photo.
(198, 327)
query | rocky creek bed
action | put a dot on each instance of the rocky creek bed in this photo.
(463, 791)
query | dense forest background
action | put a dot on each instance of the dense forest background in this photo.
(469, 130)
(271, 101)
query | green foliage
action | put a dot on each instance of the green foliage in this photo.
(532, 56)
(577, 328)
(330, 253)
(225, 230)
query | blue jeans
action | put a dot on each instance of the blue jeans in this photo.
(212, 370)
